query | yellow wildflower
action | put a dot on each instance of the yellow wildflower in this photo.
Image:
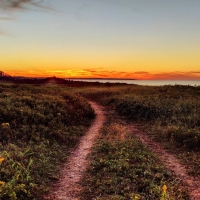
(136, 197)
(2, 183)
(164, 193)
(5, 124)
(22, 185)
(164, 188)
(1, 159)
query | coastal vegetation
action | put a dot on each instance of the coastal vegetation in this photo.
(38, 126)
(176, 108)
(170, 114)
(41, 123)
(122, 168)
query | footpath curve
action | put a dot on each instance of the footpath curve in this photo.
(172, 163)
(68, 186)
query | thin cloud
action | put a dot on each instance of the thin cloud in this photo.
(10, 6)
(195, 72)
(141, 72)
(19, 4)
(176, 75)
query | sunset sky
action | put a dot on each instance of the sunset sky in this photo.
(139, 39)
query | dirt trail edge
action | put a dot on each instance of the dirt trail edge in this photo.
(68, 186)
(170, 162)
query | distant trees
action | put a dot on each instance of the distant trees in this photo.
(3, 74)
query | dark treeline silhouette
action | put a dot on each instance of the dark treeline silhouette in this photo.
(3, 74)
(53, 80)
(50, 80)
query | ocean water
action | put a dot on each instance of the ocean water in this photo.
(145, 82)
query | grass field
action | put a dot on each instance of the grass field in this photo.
(39, 124)
(122, 168)
(169, 114)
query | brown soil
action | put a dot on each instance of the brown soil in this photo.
(67, 188)
(172, 163)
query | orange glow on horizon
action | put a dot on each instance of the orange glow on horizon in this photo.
(96, 73)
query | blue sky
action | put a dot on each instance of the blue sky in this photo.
(129, 38)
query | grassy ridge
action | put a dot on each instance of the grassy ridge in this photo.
(38, 126)
(122, 168)
(171, 113)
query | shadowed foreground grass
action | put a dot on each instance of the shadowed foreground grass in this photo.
(40, 123)
(38, 126)
(122, 168)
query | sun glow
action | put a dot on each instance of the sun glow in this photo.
(98, 73)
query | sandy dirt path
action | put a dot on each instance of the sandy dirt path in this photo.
(68, 186)
(173, 164)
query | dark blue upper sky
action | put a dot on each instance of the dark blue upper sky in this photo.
(155, 36)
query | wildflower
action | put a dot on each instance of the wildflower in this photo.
(136, 197)
(164, 193)
(22, 185)
(5, 124)
(164, 188)
(2, 183)
(1, 159)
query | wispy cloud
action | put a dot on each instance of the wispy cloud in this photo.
(175, 75)
(19, 4)
(195, 72)
(7, 7)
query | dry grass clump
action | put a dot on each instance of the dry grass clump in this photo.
(115, 131)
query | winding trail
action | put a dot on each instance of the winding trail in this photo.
(172, 163)
(68, 186)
